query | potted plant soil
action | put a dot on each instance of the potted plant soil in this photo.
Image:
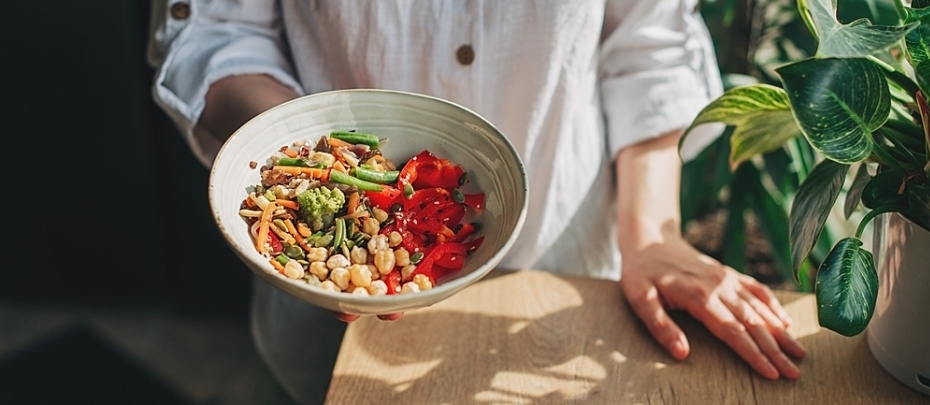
(860, 102)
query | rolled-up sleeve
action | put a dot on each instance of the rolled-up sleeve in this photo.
(657, 71)
(194, 43)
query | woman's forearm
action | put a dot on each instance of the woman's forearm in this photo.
(232, 101)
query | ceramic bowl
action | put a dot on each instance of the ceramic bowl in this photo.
(411, 123)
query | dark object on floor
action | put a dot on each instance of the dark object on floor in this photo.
(77, 365)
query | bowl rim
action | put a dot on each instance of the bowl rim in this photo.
(433, 295)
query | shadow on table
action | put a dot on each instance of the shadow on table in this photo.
(559, 356)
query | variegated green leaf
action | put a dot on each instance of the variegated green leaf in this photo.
(857, 39)
(847, 286)
(838, 103)
(854, 195)
(761, 115)
(922, 72)
(811, 207)
(917, 43)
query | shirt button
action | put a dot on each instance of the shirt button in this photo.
(465, 54)
(180, 11)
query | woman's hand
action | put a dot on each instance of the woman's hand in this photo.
(736, 308)
(661, 271)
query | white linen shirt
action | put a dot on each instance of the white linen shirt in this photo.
(570, 83)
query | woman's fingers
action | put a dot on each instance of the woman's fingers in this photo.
(649, 308)
(761, 333)
(347, 318)
(391, 317)
(765, 294)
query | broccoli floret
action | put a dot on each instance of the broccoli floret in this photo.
(319, 203)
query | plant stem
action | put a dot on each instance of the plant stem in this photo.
(900, 9)
(874, 213)
(901, 143)
(887, 159)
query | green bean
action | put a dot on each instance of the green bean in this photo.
(374, 176)
(340, 177)
(324, 240)
(356, 138)
(340, 234)
(282, 259)
(292, 162)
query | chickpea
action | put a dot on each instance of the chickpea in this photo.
(338, 260)
(422, 281)
(340, 276)
(360, 275)
(317, 254)
(377, 287)
(380, 214)
(401, 257)
(384, 261)
(406, 273)
(319, 270)
(371, 226)
(358, 255)
(293, 270)
(409, 288)
(377, 242)
(395, 239)
(330, 286)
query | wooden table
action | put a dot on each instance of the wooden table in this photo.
(535, 338)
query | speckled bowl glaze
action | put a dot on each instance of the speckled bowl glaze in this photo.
(412, 123)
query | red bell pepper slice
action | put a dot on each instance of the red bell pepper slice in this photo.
(275, 243)
(425, 198)
(433, 261)
(426, 170)
(475, 201)
(465, 230)
(392, 280)
(385, 198)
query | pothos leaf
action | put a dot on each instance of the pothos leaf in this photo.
(811, 207)
(857, 39)
(847, 287)
(838, 103)
(761, 115)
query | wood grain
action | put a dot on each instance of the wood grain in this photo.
(535, 338)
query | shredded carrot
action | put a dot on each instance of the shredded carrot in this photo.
(340, 167)
(338, 142)
(249, 203)
(289, 152)
(287, 204)
(304, 230)
(304, 245)
(263, 226)
(282, 234)
(291, 229)
(311, 172)
(354, 199)
(277, 266)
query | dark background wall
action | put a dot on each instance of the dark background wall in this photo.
(103, 203)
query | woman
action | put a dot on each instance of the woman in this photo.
(593, 95)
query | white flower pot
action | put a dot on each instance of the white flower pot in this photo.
(899, 333)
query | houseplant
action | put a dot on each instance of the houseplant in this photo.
(859, 102)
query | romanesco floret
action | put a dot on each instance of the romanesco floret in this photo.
(319, 203)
